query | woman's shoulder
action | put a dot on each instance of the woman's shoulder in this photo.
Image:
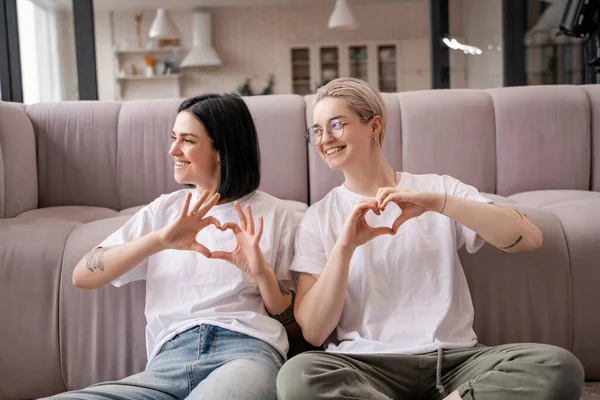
(328, 205)
(433, 182)
(288, 213)
(169, 200)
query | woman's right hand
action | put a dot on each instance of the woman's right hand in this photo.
(181, 234)
(356, 231)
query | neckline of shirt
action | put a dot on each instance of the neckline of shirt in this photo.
(223, 208)
(357, 196)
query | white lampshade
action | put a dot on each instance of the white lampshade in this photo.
(341, 17)
(163, 27)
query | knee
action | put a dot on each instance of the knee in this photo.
(566, 376)
(292, 383)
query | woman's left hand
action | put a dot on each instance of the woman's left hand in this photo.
(247, 255)
(413, 203)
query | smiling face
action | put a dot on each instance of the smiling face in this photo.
(196, 160)
(355, 145)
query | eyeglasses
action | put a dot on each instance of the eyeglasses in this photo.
(335, 128)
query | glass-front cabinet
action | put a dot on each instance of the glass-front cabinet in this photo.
(314, 65)
(301, 83)
(358, 62)
(329, 60)
(386, 66)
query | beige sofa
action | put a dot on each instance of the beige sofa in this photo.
(72, 172)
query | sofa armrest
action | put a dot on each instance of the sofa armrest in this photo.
(18, 165)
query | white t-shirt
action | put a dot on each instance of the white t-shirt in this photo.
(407, 294)
(184, 289)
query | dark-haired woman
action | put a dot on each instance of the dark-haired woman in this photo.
(217, 301)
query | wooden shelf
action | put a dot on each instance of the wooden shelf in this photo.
(153, 50)
(149, 78)
(301, 63)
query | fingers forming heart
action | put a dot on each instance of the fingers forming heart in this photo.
(400, 213)
(375, 220)
(218, 233)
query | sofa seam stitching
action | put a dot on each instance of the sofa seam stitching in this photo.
(572, 317)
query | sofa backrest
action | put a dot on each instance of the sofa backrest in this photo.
(76, 152)
(18, 174)
(114, 155)
(593, 92)
(543, 138)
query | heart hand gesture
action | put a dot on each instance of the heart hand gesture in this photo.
(413, 203)
(181, 234)
(247, 255)
(356, 231)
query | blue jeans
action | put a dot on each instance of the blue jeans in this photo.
(205, 362)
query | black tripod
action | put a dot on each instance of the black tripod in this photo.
(593, 44)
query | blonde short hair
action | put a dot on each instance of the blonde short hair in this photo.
(362, 97)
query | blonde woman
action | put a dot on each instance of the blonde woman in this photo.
(391, 304)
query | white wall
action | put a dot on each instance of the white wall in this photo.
(255, 41)
(104, 58)
(67, 59)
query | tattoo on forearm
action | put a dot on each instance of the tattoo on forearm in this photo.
(286, 317)
(95, 259)
(514, 244)
(282, 288)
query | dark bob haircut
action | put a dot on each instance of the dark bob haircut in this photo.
(229, 124)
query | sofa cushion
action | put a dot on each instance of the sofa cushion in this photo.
(81, 214)
(542, 138)
(580, 220)
(102, 330)
(280, 123)
(18, 171)
(30, 271)
(523, 297)
(76, 152)
(545, 198)
(145, 168)
(131, 210)
(442, 129)
(593, 92)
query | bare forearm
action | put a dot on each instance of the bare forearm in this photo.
(276, 297)
(320, 309)
(102, 265)
(503, 227)
(278, 300)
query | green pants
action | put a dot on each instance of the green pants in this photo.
(514, 371)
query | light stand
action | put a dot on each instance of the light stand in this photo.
(580, 19)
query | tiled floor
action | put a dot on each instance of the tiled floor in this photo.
(592, 391)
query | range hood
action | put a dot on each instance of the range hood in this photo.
(202, 54)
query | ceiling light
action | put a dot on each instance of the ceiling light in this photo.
(163, 27)
(341, 17)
